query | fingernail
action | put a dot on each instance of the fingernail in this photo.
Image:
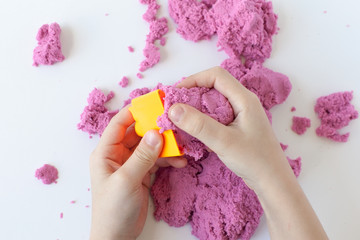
(152, 139)
(176, 113)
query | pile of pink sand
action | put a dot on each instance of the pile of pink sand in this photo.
(158, 28)
(47, 174)
(300, 124)
(335, 112)
(205, 193)
(208, 101)
(244, 27)
(216, 202)
(96, 116)
(48, 50)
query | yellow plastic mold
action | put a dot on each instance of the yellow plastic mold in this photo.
(145, 111)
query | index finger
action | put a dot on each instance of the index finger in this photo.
(221, 80)
(115, 131)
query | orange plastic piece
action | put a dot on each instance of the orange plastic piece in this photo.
(145, 111)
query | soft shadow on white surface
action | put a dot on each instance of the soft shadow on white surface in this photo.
(67, 40)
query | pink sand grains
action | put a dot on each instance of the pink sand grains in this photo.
(335, 112)
(139, 76)
(48, 50)
(300, 124)
(47, 174)
(244, 28)
(158, 28)
(96, 116)
(124, 82)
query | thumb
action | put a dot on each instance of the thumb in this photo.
(144, 156)
(199, 125)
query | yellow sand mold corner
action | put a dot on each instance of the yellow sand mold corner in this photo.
(145, 111)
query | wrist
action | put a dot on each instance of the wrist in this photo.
(279, 177)
(278, 189)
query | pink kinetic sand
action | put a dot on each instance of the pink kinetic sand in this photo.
(191, 19)
(158, 28)
(136, 93)
(244, 27)
(215, 201)
(124, 82)
(293, 109)
(295, 165)
(335, 112)
(131, 49)
(162, 41)
(208, 101)
(284, 146)
(61, 215)
(48, 50)
(271, 88)
(96, 116)
(139, 75)
(300, 124)
(47, 174)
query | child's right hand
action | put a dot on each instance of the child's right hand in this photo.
(247, 146)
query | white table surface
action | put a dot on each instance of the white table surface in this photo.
(40, 107)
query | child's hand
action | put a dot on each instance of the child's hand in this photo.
(247, 146)
(120, 170)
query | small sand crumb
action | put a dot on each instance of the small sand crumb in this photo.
(162, 41)
(139, 75)
(284, 146)
(47, 174)
(124, 82)
(131, 49)
(300, 125)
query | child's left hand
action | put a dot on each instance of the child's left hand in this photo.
(120, 169)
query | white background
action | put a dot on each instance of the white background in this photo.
(40, 107)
